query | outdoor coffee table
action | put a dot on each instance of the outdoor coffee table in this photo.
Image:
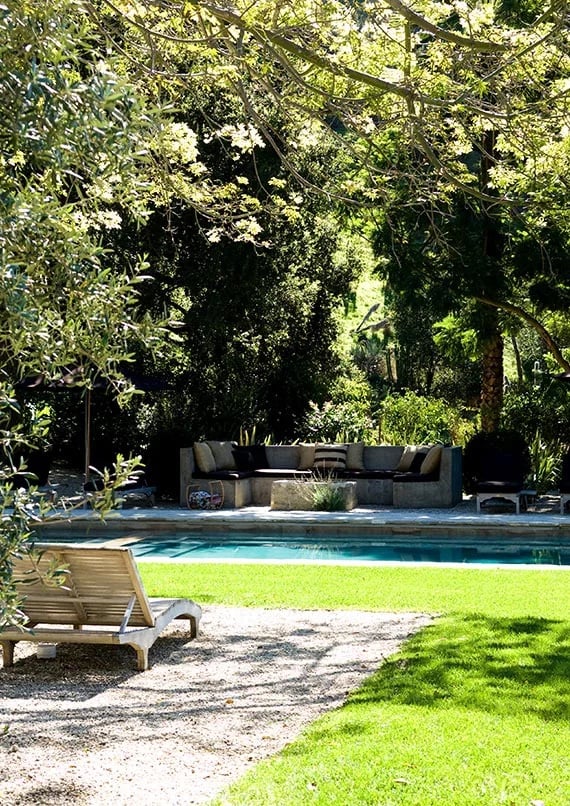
(289, 494)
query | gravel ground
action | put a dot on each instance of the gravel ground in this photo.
(85, 728)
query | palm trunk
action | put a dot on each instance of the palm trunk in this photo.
(492, 376)
(491, 336)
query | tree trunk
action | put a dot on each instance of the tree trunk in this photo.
(491, 335)
(492, 376)
(518, 361)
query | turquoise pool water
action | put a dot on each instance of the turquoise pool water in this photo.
(248, 547)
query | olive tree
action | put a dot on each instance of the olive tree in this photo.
(75, 149)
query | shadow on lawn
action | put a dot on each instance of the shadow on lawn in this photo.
(498, 665)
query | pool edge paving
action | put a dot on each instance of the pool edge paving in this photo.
(361, 521)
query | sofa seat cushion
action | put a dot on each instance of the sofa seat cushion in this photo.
(224, 475)
(499, 487)
(276, 473)
(415, 477)
(369, 474)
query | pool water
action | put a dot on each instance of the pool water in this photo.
(248, 547)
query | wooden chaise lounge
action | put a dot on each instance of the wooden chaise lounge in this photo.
(101, 601)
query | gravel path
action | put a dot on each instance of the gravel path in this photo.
(86, 728)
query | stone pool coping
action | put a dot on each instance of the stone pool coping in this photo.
(364, 521)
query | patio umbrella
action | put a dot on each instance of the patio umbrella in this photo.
(74, 378)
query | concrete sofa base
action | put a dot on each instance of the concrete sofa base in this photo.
(254, 489)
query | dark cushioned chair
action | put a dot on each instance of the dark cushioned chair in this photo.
(564, 486)
(502, 476)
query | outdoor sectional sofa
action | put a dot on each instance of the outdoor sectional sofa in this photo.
(389, 475)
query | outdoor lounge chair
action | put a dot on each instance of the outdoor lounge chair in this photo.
(134, 488)
(101, 601)
(504, 480)
(564, 486)
(496, 466)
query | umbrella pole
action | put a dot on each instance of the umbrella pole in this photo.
(87, 435)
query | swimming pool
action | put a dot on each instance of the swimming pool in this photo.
(249, 547)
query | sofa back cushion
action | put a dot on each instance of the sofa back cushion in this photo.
(285, 457)
(223, 454)
(409, 458)
(355, 456)
(204, 457)
(406, 458)
(306, 455)
(242, 457)
(381, 457)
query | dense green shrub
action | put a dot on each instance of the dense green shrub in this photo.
(546, 460)
(343, 422)
(411, 419)
(544, 409)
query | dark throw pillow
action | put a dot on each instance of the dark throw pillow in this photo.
(259, 457)
(250, 457)
(243, 458)
(417, 461)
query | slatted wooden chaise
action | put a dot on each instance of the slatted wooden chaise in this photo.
(102, 601)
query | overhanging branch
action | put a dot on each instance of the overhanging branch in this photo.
(549, 342)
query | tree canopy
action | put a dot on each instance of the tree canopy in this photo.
(450, 111)
(403, 88)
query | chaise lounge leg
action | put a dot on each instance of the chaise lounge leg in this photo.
(142, 658)
(193, 627)
(8, 652)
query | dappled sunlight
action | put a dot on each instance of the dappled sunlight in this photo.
(498, 665)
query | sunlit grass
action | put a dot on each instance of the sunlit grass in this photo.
(434, 590)
(474, 710)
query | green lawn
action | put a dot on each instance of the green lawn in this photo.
(474, 710)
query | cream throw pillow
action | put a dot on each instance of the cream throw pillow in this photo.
(204, 457)
(355, 456)
(223, 454)
(431, 463)
(406, 458)
(306, 455)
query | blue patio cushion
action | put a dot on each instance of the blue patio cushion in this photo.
(417, 461)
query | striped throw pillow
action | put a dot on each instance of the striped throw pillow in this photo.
(329, 457)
